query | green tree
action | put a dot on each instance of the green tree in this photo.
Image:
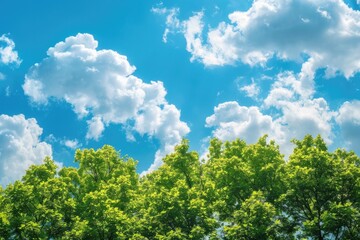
(108, 189)
(174, 205)
(322, 191)
(39, 204)
(342, 219)
(256, 219)
(243, 191)
(235, 171)
(227, 177)
(4, 215)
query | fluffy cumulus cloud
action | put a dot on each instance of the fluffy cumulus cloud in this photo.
(232, 121)
(101, 87)
(349, 120)
(8, 55)
(301, 112)
(298, 114)
(20, 146)
(288, 29)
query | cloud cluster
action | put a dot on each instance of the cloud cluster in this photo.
(317, 34)
(101, 87)
(8, 55)
(232, 121)
(20, 146)
(325, 30)
(297, 114)
(301, 112)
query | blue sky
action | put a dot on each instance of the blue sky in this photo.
(142, 75)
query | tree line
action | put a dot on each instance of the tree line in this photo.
(242, 191)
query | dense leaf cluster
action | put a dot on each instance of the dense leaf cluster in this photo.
(243, 191)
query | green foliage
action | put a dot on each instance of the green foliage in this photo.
(175, 207)
(322, 190)
(256, 219)
(235, 170)
(242, 191)
(4, 215)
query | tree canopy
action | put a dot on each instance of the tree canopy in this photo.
(241, 191)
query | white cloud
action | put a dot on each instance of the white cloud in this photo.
(8, 55)
(95, 128)
(20, 146)
(328, 31)
(252, 90)
(100, 85)
(300, 111)
(297, 113)
(232, 121)
(218, 51)
(172, 22)
(292, 86)
(2, 76)
(72, 144)
(303, 117)
(215, 53)
(348, 119)
(162, 123)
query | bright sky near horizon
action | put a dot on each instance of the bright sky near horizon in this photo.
(142, 75)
